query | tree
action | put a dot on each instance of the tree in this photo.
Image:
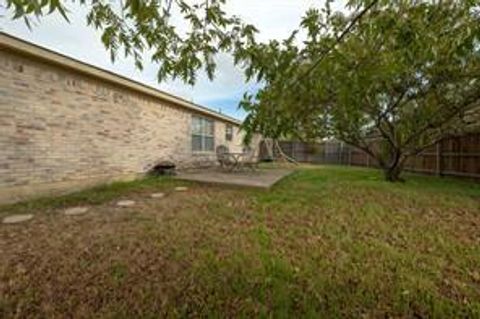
(139, 27)
(400, 78)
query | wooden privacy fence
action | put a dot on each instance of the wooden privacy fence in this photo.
(455, 156)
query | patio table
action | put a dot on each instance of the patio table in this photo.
(236, 157)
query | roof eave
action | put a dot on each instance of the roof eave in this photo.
(26, 48)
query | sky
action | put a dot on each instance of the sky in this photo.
(275, 19)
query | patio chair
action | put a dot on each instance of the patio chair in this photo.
(250, 159)
(224, 158)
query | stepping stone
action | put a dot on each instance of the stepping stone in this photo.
(181, 188)
(157, 195)
(13, 219)
(125, 203)
(76, 211)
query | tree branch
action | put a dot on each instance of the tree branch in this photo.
(338, 40)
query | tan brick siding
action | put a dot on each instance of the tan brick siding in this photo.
(59, 127)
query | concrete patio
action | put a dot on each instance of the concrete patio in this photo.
(261, 178)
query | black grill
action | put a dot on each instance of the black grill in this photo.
(163, 169)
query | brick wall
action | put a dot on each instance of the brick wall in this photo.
(61, 130)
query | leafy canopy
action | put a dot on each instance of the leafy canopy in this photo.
(181, 36)
(405, 75)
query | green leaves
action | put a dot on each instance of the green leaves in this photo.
(405, 76)
(26, 9)
(141, 28)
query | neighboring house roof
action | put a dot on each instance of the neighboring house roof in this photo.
(26, 48)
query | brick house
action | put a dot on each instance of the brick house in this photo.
(66, 125)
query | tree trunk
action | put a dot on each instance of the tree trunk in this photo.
(395, 169)
(392, 163)
(392, 174)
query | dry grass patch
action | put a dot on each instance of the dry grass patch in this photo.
(331, 241)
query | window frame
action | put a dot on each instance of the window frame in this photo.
(205, 131)
(229, 135)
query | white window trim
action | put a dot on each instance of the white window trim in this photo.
(203, 151)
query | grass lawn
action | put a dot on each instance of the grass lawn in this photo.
(324, 242)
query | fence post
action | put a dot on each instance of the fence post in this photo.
(438, 168)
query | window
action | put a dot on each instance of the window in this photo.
(229, 132)
(202, 134)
